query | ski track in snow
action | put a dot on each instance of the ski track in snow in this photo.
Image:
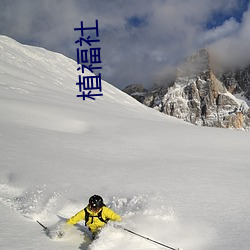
(144, 214)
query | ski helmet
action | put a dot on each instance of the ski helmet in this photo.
(95, 202)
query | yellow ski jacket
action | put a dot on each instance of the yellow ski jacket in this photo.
(94, 223)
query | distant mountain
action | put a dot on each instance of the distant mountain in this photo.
(237, 81)
(201, 95)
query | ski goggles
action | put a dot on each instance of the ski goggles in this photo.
(94, 208)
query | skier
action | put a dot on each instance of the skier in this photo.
(95, 214)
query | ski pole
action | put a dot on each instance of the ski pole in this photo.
(45, 228)
(146, 238)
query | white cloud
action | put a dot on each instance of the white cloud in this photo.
(171, 31)
(233, 50)
(228, 28)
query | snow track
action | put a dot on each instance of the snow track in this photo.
(32, 204)
(145, 214)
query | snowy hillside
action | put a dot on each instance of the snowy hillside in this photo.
(179, 184)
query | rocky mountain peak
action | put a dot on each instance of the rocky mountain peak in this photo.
(196, 64)
(202, 97)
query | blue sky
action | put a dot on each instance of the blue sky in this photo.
(141, 41)
(218, 17)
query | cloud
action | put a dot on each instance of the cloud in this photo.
(228, 28)
(233, 49)
(141, 40)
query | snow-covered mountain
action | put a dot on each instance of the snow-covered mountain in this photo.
(202, 96)
(182, 185)
(237, 81)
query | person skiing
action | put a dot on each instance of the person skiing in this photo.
(95, 214)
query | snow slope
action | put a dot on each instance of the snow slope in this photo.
(176, 183)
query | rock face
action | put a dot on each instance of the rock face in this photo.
(237, 81)
(201, 97)
(137, 91)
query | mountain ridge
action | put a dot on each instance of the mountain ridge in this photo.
(200, 95)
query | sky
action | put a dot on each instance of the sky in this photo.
(141, 41)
